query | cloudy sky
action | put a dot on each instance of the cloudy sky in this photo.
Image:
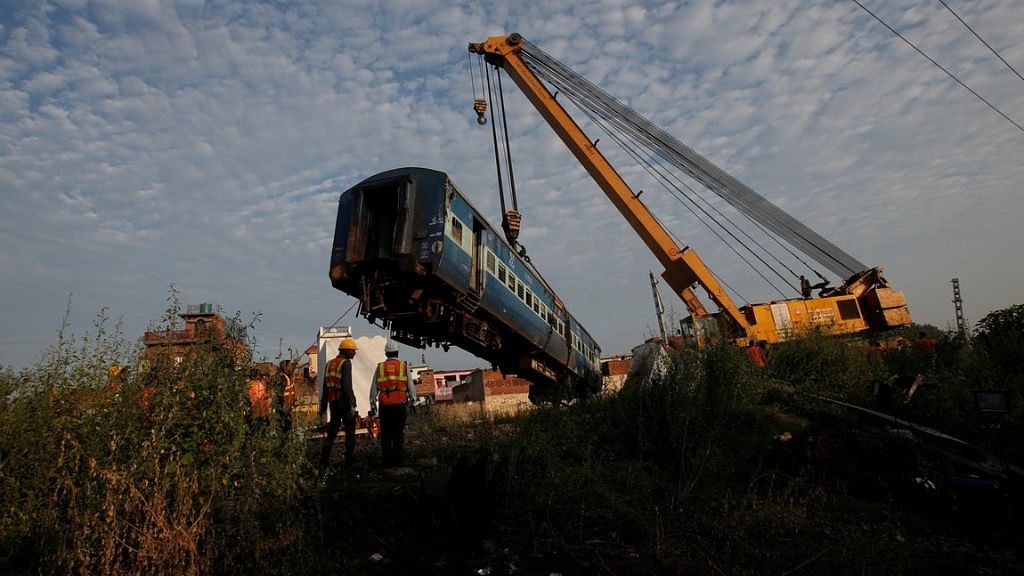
(204, 145)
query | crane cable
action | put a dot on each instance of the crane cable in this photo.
(511, 221)
(497, 158)
(638, 158)
(675, 189)
(642, 135)
(714, 178)
(508, 148)
(656, 172)
(659, 174)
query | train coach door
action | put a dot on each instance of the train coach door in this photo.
(476, 265)
(382, 221)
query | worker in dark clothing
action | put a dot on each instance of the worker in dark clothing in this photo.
(284, 394)
(341, 402)
(806, 288)
(393, 388)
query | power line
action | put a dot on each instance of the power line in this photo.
(982, 40)
(939, 66)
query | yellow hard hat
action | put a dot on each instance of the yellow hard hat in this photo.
(347, 344)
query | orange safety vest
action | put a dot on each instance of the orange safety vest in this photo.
(756, 356)
(332, 376)
(258, 398)
(392, 382)
(289, 391)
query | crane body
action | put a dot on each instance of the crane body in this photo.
(864, 301)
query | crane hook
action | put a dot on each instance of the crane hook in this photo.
(480, 106)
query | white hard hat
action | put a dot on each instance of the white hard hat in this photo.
(391, 348)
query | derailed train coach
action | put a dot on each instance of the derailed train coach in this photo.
(424, 262)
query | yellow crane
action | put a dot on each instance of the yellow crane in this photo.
(864, 301)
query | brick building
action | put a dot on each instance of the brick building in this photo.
(614, 370)
(202, 326)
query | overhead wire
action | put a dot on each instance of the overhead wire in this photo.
(982, 40)
(939, 66)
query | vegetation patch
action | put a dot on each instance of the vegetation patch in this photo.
(718, 467)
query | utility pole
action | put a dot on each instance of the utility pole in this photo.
(958, 303)
(659, 309)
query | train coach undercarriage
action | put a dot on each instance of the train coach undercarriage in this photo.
(435, 315)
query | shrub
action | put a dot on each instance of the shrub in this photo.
(96, 480)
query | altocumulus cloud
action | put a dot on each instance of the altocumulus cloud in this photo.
(204, 144)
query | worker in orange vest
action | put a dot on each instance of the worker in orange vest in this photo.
(393, 388)
(341, 402)
(755, 351)
(259, 401)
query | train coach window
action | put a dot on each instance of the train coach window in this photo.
(456, 230)
(520, 291)
(511, 282)
(501, 273)
(490, 261)
(529, 299)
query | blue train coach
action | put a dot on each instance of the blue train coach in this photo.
(422, 260)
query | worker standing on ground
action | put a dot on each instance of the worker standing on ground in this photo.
(259, 401)
(756, 353)
(341, 401)
(393, 388)
(284, 394)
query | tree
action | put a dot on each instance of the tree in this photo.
(1001, 335)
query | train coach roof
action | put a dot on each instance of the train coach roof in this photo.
(411, 171)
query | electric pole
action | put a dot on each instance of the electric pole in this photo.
(659, 309)
(958, 303)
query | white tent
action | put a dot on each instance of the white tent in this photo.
(369, 353)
